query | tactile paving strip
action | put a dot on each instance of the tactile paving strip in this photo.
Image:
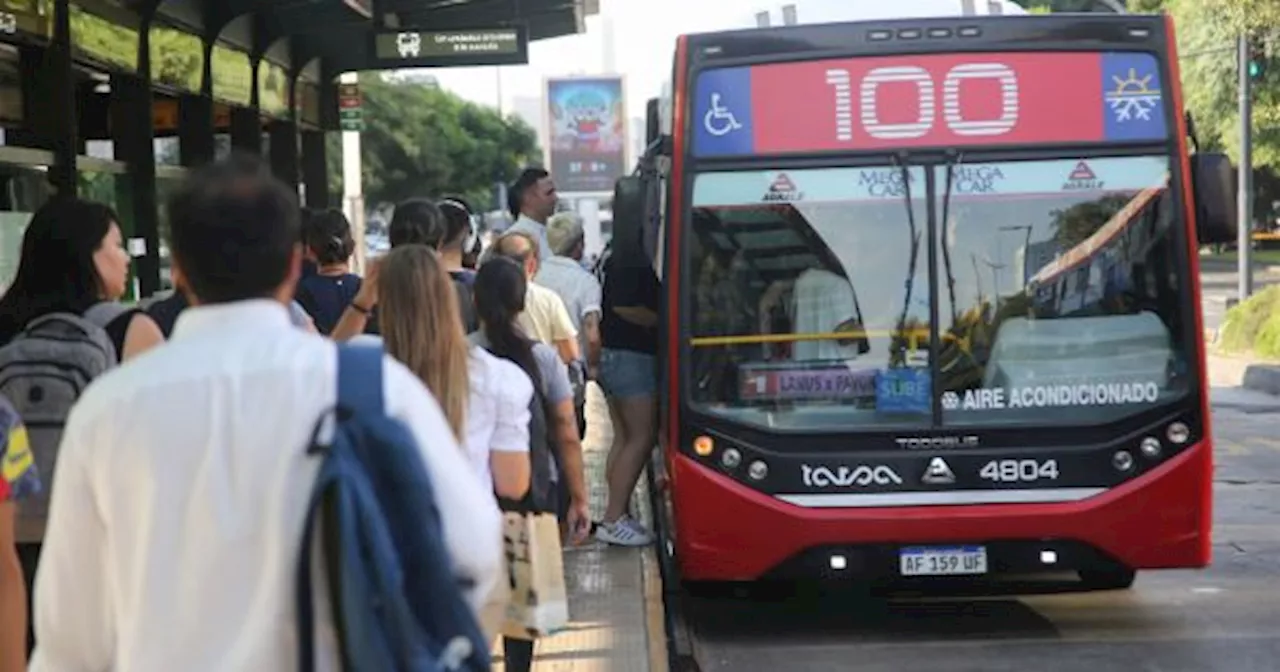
(607, 631)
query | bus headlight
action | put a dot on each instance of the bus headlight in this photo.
(704, 446)
(1178, 433)
(758, 470)
(1122, 460)
(1151, 447)
(730, 458)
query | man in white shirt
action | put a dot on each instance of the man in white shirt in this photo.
(563, 274)
(532, 200)
(545, 317)
(183, 477)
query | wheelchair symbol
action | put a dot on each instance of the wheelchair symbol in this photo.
(719, 120)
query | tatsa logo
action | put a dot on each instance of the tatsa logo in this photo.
(783, 190)
(1082, 178)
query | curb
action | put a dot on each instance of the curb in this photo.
(654, 611)
(679, 652)
(1262, 378)
(1250, 374)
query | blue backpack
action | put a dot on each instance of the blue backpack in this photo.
(397, 604)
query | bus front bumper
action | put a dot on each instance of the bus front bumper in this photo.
(725, 531)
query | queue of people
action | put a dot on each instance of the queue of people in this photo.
(170, 540)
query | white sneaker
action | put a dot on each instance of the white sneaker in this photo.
(624, 532)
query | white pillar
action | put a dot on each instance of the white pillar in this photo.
(593, 240)
(609, 52)
(352, 183)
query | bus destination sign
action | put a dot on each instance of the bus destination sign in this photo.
(409, 48)
(941, 100)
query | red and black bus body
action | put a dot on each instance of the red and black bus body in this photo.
(805, 158)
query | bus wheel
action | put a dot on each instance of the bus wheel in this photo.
(1108, 579)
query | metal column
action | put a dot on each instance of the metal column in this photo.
(315, 168)
(283, 138)
(246, 130)
(134, 135)
(196, 143)
(1244, 242)
(58, 121)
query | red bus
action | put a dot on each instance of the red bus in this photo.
(931, 299)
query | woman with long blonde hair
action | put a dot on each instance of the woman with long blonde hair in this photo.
(485, 399)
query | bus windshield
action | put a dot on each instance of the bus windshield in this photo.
(1054, 285)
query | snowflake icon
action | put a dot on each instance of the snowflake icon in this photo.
(1133, 98)
(950, 401)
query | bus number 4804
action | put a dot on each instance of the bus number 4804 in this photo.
(1019, 471)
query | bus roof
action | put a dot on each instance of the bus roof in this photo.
(824, 11)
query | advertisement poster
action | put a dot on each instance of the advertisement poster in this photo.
(588, 133)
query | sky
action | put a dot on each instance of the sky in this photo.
(643, 36)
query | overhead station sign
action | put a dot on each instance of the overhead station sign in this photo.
(409, 48)
(943, 100)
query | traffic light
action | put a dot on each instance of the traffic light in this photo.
(1259, 55)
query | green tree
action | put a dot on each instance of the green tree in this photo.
(1206, 38)
(423, 141)
(1245, 14)
(1050, 6)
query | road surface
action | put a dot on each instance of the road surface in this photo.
(1218, 282)
(1224, 618)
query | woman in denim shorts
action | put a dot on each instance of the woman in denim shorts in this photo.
(629, 334)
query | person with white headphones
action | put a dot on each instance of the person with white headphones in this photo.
(460, 234)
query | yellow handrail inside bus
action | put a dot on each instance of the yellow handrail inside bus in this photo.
(753, 339)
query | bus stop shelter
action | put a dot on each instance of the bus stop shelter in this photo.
(116, 99)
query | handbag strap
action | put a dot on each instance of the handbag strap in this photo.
(303, 599)
(360, 387)
(359, 391)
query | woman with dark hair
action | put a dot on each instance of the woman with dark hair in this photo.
(500, 288)
(329, 291)
(308, 258)
(417, 221)
(73, 259)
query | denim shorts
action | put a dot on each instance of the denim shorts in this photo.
(626, 373)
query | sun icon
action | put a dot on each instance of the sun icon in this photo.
(1133, 96)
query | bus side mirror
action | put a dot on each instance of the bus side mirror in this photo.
(628, 217)
(652, 122)
(1213, 183)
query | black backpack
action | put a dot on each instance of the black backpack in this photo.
(544, 462)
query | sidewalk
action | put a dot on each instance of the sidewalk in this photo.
(615, 594)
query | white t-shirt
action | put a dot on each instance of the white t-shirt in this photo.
(497, 410)
(545, 317)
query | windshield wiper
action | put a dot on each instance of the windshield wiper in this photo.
(898, 356)
(954, 160)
